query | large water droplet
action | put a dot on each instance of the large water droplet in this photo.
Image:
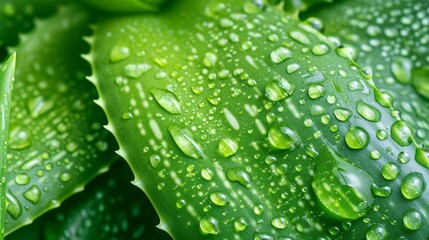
(19, 138)
(343, 188)
(13, 207)
(167, 100)
(401, 69)
(154, 160)
(283, 137)
(368, 112)
(219, 199)
(413, 185)
(342, 114)
(280, 54)
(240, 224)
(279, 89)
(33, 194)
(65, 177)
(119, 52)
(316, 91)
(136, 70)
(209, 225)
(357, 138)
(377, 232)
(22, 179)
(320, 49)
(412, 219)
(383, 98)
(422, 157)
(239, 175)
(402, 133)
(185, 141)
(207, 174)
(279, 222)
(382, 191)
(299, 37)
(228, 147)
(390, 171)
(210, 59)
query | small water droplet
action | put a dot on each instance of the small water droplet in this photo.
(180, 203)
(13, 206)
(401, 69)
(390, 171)
(402, 133)
(228, 147)
(357, 138)
(167, 100)
(210, 59)
(22, 179)
(279, 89)
(316, 91)
(118, 53)
(315, 23)
(368, 112)
(413, 185)
(342, 114)
(280, 54)
(219, 199)
(299, 37)
(65, 177)
(240, 224)
(207, 174)
(184, 139)
(33, 194)
(382, 191)
(136, 70)
(412, 219)
(258, 209)
(382, 134)
(71, 147)
(282, 137)
(209, 225)
(347, 51)
(279, 222)
(320, 49)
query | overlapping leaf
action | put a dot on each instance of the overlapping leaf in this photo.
(239, 122)
(56, 141)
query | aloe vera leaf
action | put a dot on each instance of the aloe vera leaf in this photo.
(18, 16)
(56, 140)
(7, 75)
(126, 5)
(392, 37)
(239, 123)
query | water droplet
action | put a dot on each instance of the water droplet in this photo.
(343, 188)
(412, 219)
(280, 54)
(239, 175)
(39, 105)
(118, 53)
(279, 222)
(368, 112)
(401, 69)
(402, 133)
(384, 98)
(347, 51)
(320, 49)
(22, 179)
(422, 157)
(19, 138)
(293, 67)
(413, 185)
(33, 194)
(167, 100)
(154, 160)
(65, 177)
(210, 59)
(207, 174)
(315, 23)
(383, 191)
(376, 232)
(180, 203)
(382, 134)
(316, 91)
(282, 137)
(127, 115)
(228, 147)
(342, 114)
(219, 199)
(251, 8)
(357, 138)
(209, 225)
(240, 224)
(258, 209)
(279, 89)
(185, 141)
(390, 171)
(13, 206)
(136, 70)
(299, 37)
(375, 155)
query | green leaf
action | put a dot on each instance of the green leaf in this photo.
(126, 5)
(241, 123)
(392, 38)
(7, 76)
(109, 208)
(56, 141)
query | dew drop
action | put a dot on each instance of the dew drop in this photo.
(136, 70)
(382, 134)
(184, 139)
(383, 98)
(240, 224)
(210, 59)
(382, 191)
(13, 206)
(316, 91)
(342, 114)
(376, 232)
(154, 160)
(19, 138)
(167, 100)
(279, 222)
(22, 179)
(320, 49)
(357, 138)
(368, 112)
(209, 225)
(390, 171)
(299, 37)
(412, 219)
(402, 133)
(422, 157)
(401, 69)
(279, 89)
(343, 188)
(280, 54)
(282, 137)
(239, 175)
(39, 105)
(413, 185)
(258, 209)
(219, 199)
(65, 177)
(228, 147)
(347, 51)
(207, 174)
(33, 194)
(119, 53)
